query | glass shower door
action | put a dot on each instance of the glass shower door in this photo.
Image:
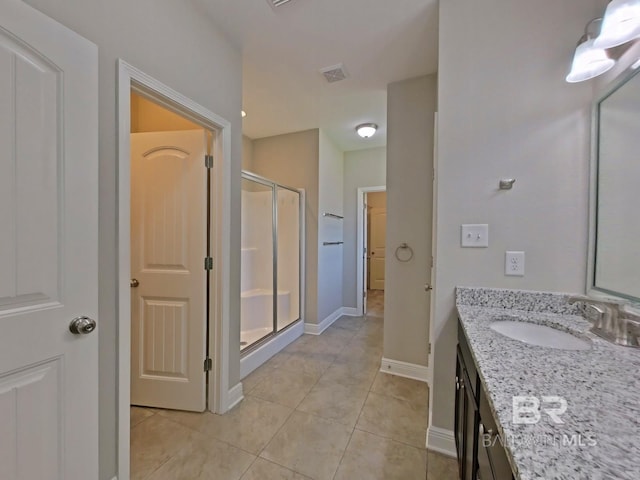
(288, 230)
(257, 263)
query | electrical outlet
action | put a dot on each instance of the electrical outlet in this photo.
(514, 264)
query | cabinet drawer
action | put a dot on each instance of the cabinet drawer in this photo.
(491, 453)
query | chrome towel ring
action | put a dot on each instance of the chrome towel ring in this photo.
(404, 258)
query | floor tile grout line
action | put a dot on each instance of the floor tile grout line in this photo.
(316, 416)
(386, 437)
(276, 432)
(344, 452)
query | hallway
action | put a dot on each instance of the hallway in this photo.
(320, 409)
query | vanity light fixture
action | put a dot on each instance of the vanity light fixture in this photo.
(589, 61)
(621, 23)
(366, 130)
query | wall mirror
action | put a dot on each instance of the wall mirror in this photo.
(614, 267)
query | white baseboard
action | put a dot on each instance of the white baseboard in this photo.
(404, 369)
(235, 396)
(255, 358)
(317, 329)
(350, 311)
(441, 441)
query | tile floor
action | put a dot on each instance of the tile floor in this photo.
(375, 303)
(320, 409)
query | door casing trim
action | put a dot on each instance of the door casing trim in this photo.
(131, 78)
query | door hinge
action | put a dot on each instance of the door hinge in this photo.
(208, 263)
(208, 161)
(208, 364)
(429, 349)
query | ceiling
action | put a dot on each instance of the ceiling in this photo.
(378, 41)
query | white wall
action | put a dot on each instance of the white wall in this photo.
(153, 35)
(411, 105)
(505, 111)
(362, 168)
(331, 180)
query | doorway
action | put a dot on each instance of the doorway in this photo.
(376, 220)
(169, 232)
(214, 133)
(371, 250)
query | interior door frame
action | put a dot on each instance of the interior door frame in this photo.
(220, 400)
(360, 243)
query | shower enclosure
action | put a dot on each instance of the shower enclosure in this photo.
(271, 275)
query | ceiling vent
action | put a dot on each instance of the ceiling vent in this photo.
(277, 3)
(335, 73)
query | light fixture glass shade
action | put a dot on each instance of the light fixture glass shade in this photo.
(588, 62)
(621, 23)
(366, 130)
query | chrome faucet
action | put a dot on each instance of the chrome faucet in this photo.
(613, 321)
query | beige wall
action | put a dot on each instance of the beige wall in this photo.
(411, 105)
(292, 160)
(147, 116)
(362, 168)
(505, 111)
(330, 257)
(179, 46)
(247, 154)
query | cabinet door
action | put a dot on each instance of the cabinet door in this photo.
(460, 412)
(470, 431)
(484, 463)
(492, 456)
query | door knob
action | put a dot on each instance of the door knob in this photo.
(82, 325)
(134, 283)
(428, 288)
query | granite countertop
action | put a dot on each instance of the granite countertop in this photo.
(600, 436)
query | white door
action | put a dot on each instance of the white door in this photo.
(168, 248)
(48, 248)
(377, 243)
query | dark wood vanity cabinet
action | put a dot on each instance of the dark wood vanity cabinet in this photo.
(466, 421)
(480, 452)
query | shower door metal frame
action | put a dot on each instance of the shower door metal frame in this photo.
(274, 239)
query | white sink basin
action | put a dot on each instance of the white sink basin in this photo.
(539, 335)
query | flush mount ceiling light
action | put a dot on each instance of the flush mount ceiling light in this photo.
(277, 3)
(621, 23)
(366, 130)
(589, 61)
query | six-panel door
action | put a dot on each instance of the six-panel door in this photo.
(48, 248)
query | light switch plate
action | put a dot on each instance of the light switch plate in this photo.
(475, 236)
